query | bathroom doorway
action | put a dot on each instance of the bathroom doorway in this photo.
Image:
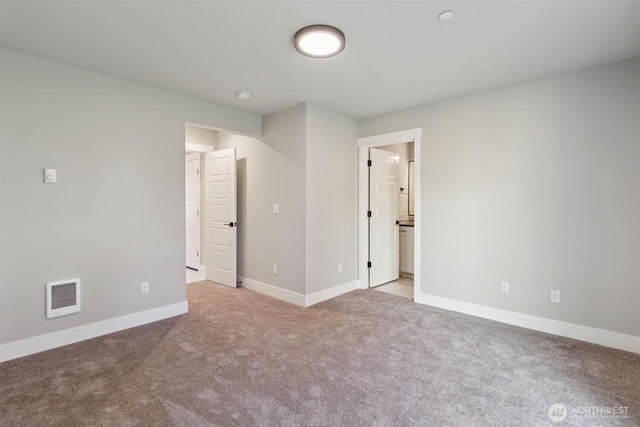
(407, 212)
(404, 200)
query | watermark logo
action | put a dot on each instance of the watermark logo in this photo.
(557, 412)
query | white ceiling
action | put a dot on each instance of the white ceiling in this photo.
(398, 54)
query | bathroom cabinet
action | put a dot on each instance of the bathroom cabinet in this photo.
(406, 251)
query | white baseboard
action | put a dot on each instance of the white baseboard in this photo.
(570, 330)
(273, 291)
(296, 298)
(333, 292)
(25, 347)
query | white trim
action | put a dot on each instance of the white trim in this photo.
(219, 129)
(564, 329)
(202, 267)
(377, 141)
(200, 148)
(332, 292)
(190, 158)
(294, 297)
(417, 211)
(363, 238)
(273, 291)
(390, 138)
(25, 347)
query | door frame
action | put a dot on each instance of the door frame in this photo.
(363, 196)
(198, 157)
(201, 149)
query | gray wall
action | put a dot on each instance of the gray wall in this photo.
(271, 171)
(196, 135)
(535, 184)
(116, 216)
(306, 162)
(332, 199)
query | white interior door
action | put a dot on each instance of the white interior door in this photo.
(220, 216)
(192, 192)
(384, 253)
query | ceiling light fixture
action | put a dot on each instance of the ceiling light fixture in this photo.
(319, 41)
(446, 15)
(243, 94)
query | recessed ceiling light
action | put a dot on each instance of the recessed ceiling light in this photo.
(319, 41)
(243, 94)
(446, 15)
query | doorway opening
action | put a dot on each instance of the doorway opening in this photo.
(395, 188)
(211, 208)
(386, 228)
(198, 142)
(192, 214)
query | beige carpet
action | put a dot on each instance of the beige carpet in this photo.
(363, 359)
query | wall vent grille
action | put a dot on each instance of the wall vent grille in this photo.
(63, 298)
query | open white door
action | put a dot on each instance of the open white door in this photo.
(220, 216)
(384, 253)
(192, 193)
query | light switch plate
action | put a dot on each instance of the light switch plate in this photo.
(50, 176)
(276, 209)
(504, 287)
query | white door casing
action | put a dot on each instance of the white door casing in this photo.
(381, 140)
(192, 196)
(384, 189)
(221, 216)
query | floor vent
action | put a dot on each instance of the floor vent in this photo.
(63, 298)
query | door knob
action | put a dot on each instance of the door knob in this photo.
(232, 224)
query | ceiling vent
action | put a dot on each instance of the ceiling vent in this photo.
(63, 298)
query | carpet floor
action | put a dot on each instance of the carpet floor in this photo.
(365, 358)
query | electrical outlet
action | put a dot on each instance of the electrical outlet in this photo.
(339, 268)
(555, 295)
(275, 269)
(144, 288)
(50, 176)
(504, 287)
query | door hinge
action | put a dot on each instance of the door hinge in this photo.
(197, 171)
(369, 163)
(368, 264)
(197, 212)
(368, 214)
(197, 253)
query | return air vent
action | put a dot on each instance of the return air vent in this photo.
(63, 298)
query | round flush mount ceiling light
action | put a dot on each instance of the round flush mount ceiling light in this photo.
(446, 15)
(243, 94)
(319, 41)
